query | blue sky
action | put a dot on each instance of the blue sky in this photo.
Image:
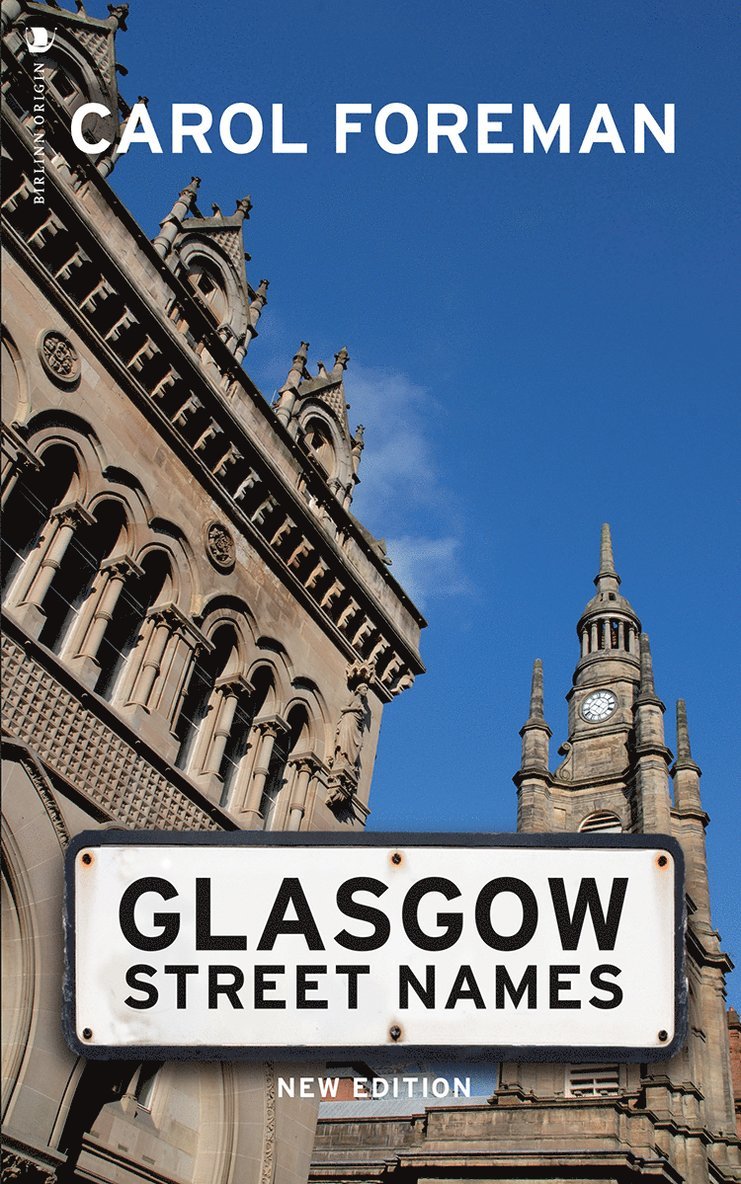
(538, 343)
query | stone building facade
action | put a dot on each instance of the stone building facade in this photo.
(198, 633)
(667, 1121)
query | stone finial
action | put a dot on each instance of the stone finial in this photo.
(647, 667)
(340, 363)
(646, 689)
(535, 732)
(258, 302)
(288, 393)
(536, 692)
(298, 366)
(607, 578)
(244, 205)
(684, 752)
(191, 189)
(170, 225)
(118, 14)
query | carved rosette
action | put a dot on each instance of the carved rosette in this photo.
(220, 545)
(59, 357)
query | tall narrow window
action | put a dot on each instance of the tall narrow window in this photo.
(29, 505)
(124, 628)
(74, 578)
(145, 1082)
(285, 744)
(198, 699)
(238, 742)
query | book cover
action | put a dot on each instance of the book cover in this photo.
(370, 422)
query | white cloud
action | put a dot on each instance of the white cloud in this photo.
(401, 485)
(398, 470)
(428, 567)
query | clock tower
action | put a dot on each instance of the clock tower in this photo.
(614, 769)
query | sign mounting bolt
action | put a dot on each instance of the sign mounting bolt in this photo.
(394, 1031)
(87, 1033)
(87, 858)
(663, 1035)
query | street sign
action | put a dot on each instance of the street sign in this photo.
(564, 947)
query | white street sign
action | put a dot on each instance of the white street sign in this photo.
(565, 947)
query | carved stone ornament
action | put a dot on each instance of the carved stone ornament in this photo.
(220, 546)
(59, 357)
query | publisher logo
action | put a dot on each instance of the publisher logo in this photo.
(38, 39)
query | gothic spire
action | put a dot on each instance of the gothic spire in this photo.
(607, 579)
(647, 666)
(646, 688)
(684, 752)
(536, 693)
(535, 731)
(533, 775)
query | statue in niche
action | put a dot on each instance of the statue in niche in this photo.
(349, 734)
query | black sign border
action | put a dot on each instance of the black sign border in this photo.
(565, 1054)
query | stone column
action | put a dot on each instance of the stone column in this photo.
(90, 632)
(160, 625)
(149, 693)
(304, 767)
(229, 690)
(16, 460)
(268, 730)
(184, 645)
(63, 523)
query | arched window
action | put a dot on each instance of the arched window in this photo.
(204, 278)
(238, 741)
(71, 89)
(601, 820)
(124, 628)
(74, 577)
(285, 744)
(199, 704)
(319, 444)
(29, 505)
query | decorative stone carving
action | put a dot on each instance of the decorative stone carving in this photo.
(80, 746)
(59, 357)
(220, 546)
(350, 730)
(267, 1174)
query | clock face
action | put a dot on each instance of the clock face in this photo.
(598, 706)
